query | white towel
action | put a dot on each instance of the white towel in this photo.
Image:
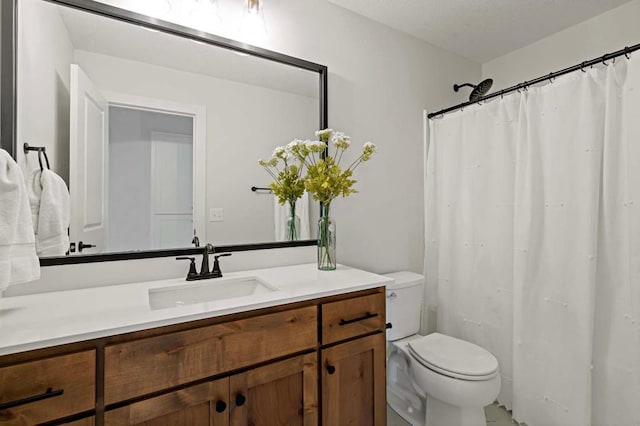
(281, 214)
(18, 260)
(50, 212)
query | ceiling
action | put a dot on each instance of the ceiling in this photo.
(97, 34)
(480, 30)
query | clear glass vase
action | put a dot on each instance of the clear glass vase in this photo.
(293, 224)
(326, 241)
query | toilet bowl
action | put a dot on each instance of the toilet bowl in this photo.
(433, 380)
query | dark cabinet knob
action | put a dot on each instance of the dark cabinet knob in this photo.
(220, 406)
(331, 369)
(240, 400)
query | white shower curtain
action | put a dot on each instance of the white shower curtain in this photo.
(533, 243)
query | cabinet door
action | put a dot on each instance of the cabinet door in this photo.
(205, 404)
(353, 382)
(282, 393)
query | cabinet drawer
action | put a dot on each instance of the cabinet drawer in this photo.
(196, 405)
(156, 363)
(73, 374)
(352, 317)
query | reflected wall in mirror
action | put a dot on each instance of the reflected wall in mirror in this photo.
(157, 135)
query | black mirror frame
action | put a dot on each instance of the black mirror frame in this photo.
(8, 105)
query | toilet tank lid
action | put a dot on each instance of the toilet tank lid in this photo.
(404, 279)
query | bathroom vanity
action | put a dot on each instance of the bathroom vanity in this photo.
(310, 350)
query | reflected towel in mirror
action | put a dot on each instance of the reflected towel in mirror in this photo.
(18, 260)
(281, 214)
(50, 212)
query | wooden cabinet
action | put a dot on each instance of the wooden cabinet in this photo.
(47, 389)
(204, 404)
(87, 421)
(147, 365)
(306, 363)
(353, 317)
(282, 393)
(353, 382)
(353, 363)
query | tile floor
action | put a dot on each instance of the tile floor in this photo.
(496, 416)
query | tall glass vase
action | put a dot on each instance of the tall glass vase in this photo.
(326, 240)
(293, 224)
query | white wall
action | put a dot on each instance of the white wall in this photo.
(607, 32)
(380, 81)
(44, 55)
(244, 123)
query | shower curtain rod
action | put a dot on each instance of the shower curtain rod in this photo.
(581, 66)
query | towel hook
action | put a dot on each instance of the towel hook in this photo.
(257, 189)
(41, 150)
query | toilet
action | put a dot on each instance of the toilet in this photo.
(433, 380)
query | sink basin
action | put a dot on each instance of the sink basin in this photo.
(207, 291)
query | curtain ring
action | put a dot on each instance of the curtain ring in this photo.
(603, 61)
(551, 78)
(627, 52)
(582, 65)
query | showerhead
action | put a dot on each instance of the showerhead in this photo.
(478, 91)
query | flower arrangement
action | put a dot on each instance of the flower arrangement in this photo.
(287, 185)
(325, 180)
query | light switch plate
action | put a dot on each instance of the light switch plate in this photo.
(216, 214)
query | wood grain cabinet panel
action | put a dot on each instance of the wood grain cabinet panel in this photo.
(284, 393)
(87, 421)
(354, 383)
(143, 366)
(204, 404)
(43, 379)
(350, 318)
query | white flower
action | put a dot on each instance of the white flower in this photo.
(291, 146)
(367, 150)
(280, 152)
(315, 146)
(324, 135)
(340, 140)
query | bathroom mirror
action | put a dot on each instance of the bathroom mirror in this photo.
(156, 128)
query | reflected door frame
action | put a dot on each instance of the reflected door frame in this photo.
(199, 115)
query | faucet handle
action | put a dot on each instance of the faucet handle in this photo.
(216, 272)
(193, 273)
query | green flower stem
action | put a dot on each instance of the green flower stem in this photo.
(324, 238)
(292, 232)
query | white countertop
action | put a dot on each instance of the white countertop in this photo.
(56, 318)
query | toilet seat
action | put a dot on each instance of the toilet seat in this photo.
(454, 357)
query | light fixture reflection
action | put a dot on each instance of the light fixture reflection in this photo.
(253, 29)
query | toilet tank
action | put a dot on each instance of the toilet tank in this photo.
(404, 303)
